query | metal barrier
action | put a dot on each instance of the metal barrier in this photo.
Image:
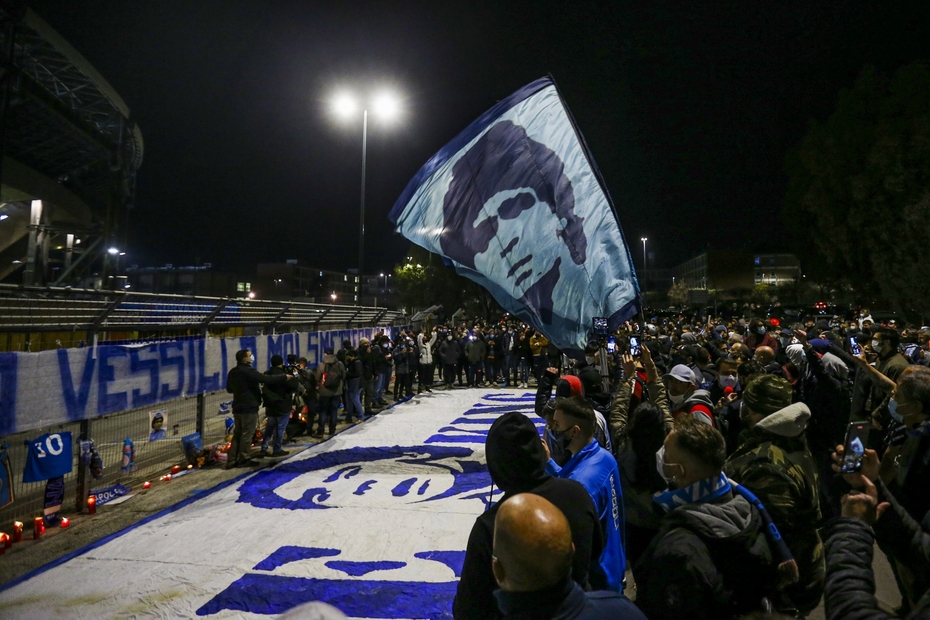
(62, 317)
(184, 416)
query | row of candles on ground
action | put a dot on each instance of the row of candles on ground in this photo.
(38, 528)
(38, 524)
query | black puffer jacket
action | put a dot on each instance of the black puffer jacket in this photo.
(709, 560)
(244, 383)
(849, 543)
(516, 462)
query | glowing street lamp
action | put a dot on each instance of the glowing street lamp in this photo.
(333, 296)
(384, 105)
(644, 239)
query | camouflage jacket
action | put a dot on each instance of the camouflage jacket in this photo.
(774, 462)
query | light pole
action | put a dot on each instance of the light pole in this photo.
(384, 105)
(645, 274)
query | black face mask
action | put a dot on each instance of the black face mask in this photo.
(562, 437)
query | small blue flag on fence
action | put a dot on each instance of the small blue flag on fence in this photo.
(516, 204)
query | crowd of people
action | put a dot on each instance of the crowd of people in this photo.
(708, 458)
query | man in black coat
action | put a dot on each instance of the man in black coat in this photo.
(244, 383)
(516, 462)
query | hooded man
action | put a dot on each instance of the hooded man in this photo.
(774, 462)
(710, 559)
(516, 462)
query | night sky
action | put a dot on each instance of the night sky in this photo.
(689, 109)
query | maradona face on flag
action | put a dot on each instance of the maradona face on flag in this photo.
(515, 204)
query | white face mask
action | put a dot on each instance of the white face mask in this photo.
(728, 381)
(661, 465)
(760, 330)
(877, 346)
(676, 398)
(448, 337)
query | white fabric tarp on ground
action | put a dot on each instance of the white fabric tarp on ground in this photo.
(373, 521)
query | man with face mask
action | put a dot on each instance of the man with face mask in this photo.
(710, 559)
(685, 398)
(758, 336)
(449, 352)
(596, 469)
(774, 462)
(869, 400)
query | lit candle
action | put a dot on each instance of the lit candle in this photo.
(17, 531)
(92, 505)
(7, 541)
(167, 476)
(38, 528)
(65, 522)
(190, 467)
(146, 484)
(175, 469)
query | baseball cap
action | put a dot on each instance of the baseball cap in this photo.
(682, 373)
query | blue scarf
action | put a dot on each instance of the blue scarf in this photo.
(697, 493)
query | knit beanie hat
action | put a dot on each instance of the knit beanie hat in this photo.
(767, 394)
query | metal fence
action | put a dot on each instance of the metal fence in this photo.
(183, 416)
(41, 318)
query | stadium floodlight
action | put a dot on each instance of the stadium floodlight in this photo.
(345, 105)
(384, 105)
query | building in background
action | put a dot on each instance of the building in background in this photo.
(295, 279)
(775, 269)
(717, 269)
(203, 280)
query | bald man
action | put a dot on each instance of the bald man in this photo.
(532, 565)
(766, 357)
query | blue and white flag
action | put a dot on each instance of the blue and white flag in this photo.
(516, 204)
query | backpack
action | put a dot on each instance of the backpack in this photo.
(332, 379)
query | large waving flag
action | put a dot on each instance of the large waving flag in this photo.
(516, 204)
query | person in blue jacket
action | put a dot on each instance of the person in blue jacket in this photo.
(596, 469)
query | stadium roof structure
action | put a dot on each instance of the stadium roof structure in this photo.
(70, 151)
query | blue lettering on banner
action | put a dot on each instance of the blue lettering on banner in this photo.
(313, 349)
(453, 559)
(274, 348)
(164, 350)
(468, 475)
(191, 366)
(8, 393)
(288, 554)
(106, 402)
(151, 365)
(102, 496)
(76, 404)
(206, 383)
(355, 598)
(149, 374)
(360, 569)
(250, 343)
